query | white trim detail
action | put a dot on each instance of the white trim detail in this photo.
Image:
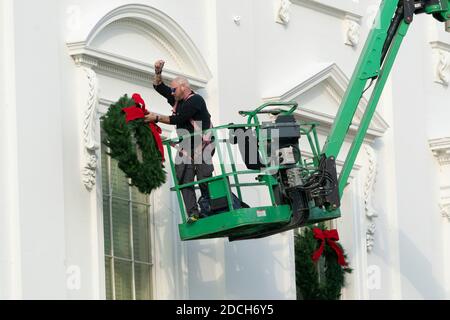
(282, 10)
(352, 31)
(370, 236)
(445, 210)
(90, 143)
(369, 184)
(335, 83)
(155, 24)
(163, 24)
(441, 53)
(441, 150)
(444, 204)
(125, 68)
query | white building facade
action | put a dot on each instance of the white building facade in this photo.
(71, 228)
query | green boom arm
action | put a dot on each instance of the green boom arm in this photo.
(375, 64)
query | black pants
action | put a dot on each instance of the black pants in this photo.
(185, 174)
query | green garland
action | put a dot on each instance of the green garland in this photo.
(332, 278)
(146, 175)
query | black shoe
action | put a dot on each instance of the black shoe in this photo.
(205, 206)
(193, 218)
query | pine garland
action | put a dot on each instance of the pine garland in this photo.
(309, 286)
(146, 175)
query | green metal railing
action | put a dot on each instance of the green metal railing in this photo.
(224, 151)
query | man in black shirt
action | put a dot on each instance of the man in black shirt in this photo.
(190, 115)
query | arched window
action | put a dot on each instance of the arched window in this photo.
(117, 57)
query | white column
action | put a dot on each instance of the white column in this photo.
(36, 162)
(10, 266)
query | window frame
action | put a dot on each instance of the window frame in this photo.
(151, 226)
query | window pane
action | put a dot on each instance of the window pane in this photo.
(143, 284)
(116, 216)
(136, 196)
(108, 279)
(141, 233)
(105, 173)
(119, 182)
(123, 280)
(107, 225)
(121, 228)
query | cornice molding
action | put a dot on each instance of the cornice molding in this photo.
(440, 45)
(122, 67)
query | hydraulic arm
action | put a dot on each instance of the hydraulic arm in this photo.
(302, 190)
(374, 66)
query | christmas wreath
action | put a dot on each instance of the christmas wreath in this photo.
(135, 144)
(320, 265)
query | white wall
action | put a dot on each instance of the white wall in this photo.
(50, 222)
(419, 219)
(10, 277)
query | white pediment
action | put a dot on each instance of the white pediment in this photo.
(319, 94)
(126, 42)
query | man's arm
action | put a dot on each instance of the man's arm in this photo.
(156, 117)
(166, 92)
(159, 85)
(159, 65)
(189, 110)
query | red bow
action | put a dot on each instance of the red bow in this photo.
(330, 236)
(139, 111)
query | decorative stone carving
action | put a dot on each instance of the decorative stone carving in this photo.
(442, 62)
(352, 31)
(442, 68)
(445, 210)
(441, 150)
(283, 11)
(370, 237)
(369, 184)
(90, 144)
